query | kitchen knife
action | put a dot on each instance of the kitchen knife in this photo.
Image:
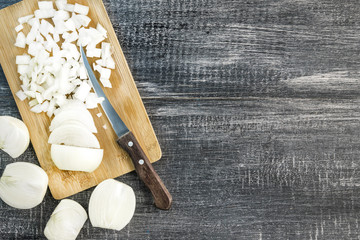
(128, 142)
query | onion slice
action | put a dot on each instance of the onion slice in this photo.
(73, 134)
(73, 114)
(76, 158)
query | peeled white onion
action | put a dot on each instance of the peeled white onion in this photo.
(73, 134)
(66, 221)
(14, 136)
(76, 158)
(112, 205)
(23, 185)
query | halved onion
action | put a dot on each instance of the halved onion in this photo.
(23, 185)
(66, 221)
(112, 205)
(14, 136)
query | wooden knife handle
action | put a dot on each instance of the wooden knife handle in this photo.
(145, 171)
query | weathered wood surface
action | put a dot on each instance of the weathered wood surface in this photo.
(256, 108)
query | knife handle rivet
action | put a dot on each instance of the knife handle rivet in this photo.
(130, 144)
(141, 162)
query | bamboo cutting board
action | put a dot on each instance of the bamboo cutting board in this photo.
(123, 96)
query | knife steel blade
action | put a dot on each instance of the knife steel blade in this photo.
(117, 124)
(129, 143)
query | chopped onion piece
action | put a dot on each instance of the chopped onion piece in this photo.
(32, 95)
(70, 25)
(69, 7)
(21, 95)
(44, 13)
(61, 15)
(19, 27)
(83, 20)
(45, 5)
(45, 106)
(51, 108)
(102, 30)
(110, 63)
(99, 114)
(93, 52)
(82, 72)
(34, 48)
(46, 27)
(105, 82)
(23, 59)
(70, 37)
(56, 37)
(33, 32)
(32, 21)
(36, 109)
(25, 19)
(39, 97)
(20, 40)
(91, 101)
(39, 38)
(60, 4)
(105, 50)
(82, 91)
(104, 126)
(81, 9)
(22, 69)
(105, 73)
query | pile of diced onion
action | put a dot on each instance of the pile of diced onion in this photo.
(51, 70)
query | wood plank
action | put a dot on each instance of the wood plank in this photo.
(256, 108)
(123, 96)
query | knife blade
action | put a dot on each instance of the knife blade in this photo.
(127, 140)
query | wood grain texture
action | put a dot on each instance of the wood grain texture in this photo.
(123, 96)
(255, 105)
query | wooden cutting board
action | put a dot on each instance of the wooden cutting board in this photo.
(124, 96)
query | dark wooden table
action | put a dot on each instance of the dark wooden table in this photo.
(256, 107)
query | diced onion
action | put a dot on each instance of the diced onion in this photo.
(81, 9)
(19, 27)
(45, 5)
(69, 7)
(21, 95)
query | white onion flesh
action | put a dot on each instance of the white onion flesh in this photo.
(19, 27)
(112, 205)
(14, 136)
(43, 40)
(25, 19)
(76, 158)
(66, 221)
(81, 9)
(73, 114)
(23, 185)
(45, 5)
(73, 134)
